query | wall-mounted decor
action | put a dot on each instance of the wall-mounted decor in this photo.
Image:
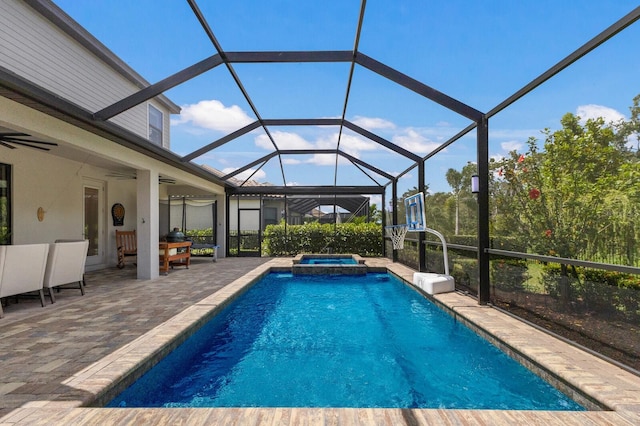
(117, 212)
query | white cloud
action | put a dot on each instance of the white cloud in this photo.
(290, 161)
(213, 115)
(591, 111)
(511, 145)
(284, 140)
(376, 199)
(354, 144)
(413, 141)
(293, 183)
(371, 123)
(260, 174)
(634, 141)
(351, 144)
(329, 141)
(326, 160)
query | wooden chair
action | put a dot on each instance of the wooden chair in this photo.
(127, 245)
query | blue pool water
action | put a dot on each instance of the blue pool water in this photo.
(328, 261)
(339, 341)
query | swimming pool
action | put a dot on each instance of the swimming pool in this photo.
(328, 341)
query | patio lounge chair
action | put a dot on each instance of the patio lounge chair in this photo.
(127, 245)
(22, 270)
(65, 265)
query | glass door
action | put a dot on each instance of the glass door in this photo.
(249, 232)
(94, 222)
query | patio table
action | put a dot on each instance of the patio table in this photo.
(174, 254)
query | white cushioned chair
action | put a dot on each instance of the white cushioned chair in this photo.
(22, 270)
(65, 265)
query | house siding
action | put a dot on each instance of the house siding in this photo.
(33, 47)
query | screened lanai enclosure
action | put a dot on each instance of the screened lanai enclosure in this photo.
(550, 232)
(249, 215)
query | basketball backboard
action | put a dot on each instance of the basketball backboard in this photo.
(414, 210)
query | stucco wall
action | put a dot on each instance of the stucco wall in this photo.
(42, 179)
(56, 185)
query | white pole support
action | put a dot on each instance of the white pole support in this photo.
(444, 248)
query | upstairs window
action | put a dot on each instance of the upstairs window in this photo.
(155, 125)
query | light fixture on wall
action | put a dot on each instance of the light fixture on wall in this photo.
(475, 184)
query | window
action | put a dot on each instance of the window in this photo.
(270, 216)
(5, 204)
(155, 125)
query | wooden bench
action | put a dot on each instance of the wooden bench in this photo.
(174, 254)
(204, 242)
(127, 245)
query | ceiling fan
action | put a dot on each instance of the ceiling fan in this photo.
(9, 140)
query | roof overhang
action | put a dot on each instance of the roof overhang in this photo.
(18, 89)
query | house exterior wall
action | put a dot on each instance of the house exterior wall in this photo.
(56, 185)
(42, 179)
(60, 197)
(36, 49)
(88, 75)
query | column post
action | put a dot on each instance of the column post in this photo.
(148, 223)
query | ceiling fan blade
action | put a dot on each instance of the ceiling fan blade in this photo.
(17, 140)
(27, 145)
(6, 145)
(12, 134)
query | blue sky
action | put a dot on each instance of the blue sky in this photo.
(476, 52)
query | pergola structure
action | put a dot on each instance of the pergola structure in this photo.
(97, 121)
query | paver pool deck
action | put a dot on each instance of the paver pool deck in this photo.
(60, 360)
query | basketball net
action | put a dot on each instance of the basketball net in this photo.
(397, 234)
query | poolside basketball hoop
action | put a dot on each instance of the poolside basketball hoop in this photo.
(414, 212)
(397, 233)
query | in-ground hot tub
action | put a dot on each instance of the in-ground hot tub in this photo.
(314, 264)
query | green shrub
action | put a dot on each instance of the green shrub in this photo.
(610, 278)
(509, 274)
(465, 273)
(364, 239)
(594, 290)
(462, 240)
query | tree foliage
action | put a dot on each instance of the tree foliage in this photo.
(575, 193)
(576, 196)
